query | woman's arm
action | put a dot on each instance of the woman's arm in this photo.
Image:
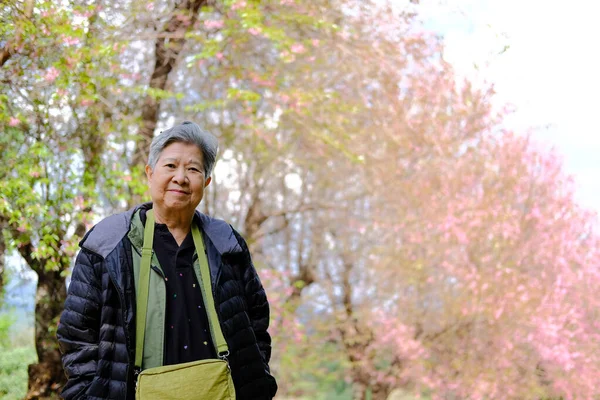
(79, 325)
(259, 313)
(258, 306)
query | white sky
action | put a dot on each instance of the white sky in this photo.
(550, 72)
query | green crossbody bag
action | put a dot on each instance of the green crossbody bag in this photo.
(198, 380)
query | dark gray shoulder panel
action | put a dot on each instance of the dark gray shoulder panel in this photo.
(107, 234)
(220, 234)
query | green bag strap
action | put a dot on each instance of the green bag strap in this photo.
(144, 284)
(207, 295)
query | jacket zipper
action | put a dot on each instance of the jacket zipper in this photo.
(213, 285)
(212, 288)
(158, 271)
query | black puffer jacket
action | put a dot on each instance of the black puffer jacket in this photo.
(97, 327)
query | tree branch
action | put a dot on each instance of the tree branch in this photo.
(12, 45)
(168, 45)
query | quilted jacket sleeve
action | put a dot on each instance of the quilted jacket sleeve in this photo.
(79, 325)
(258, 306)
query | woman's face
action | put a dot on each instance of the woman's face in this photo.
(177, 181)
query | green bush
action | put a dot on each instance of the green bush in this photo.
(13, 371)
(6, 320)
(13, 362)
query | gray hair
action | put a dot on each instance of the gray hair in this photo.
(187, 132)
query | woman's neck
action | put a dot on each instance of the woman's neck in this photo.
(177, 222)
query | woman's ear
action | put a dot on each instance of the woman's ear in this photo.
(148, 173)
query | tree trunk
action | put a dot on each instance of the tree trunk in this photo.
(356, 338)
(168, 45)
(47, 376)
(2, 258)
(255, 217)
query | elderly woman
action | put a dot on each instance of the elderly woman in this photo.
(97, 330)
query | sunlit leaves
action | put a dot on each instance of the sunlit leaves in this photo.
(55, 103)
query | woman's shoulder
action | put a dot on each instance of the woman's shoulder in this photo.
(103, 237)
(222, 235)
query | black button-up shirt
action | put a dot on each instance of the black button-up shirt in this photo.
(187, 332)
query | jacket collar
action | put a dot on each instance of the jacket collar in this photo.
(106, 235)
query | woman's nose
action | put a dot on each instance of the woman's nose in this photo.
(180, 176)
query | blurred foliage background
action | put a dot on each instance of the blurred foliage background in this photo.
(410, 245)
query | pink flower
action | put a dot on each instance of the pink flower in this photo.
(85, 14)
(297, 48)
(214, 24)
(150, 6)
(51, 75)
(315, 42)
(239, 4)
(498, 312)
(13, 121)
(219, 56)
(254, 31)
(69, 40)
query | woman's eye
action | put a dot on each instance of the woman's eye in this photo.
(194, 169)
(170, 165)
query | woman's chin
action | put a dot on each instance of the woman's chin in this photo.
(178, 206)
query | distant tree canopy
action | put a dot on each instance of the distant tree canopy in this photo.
(405, 239)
